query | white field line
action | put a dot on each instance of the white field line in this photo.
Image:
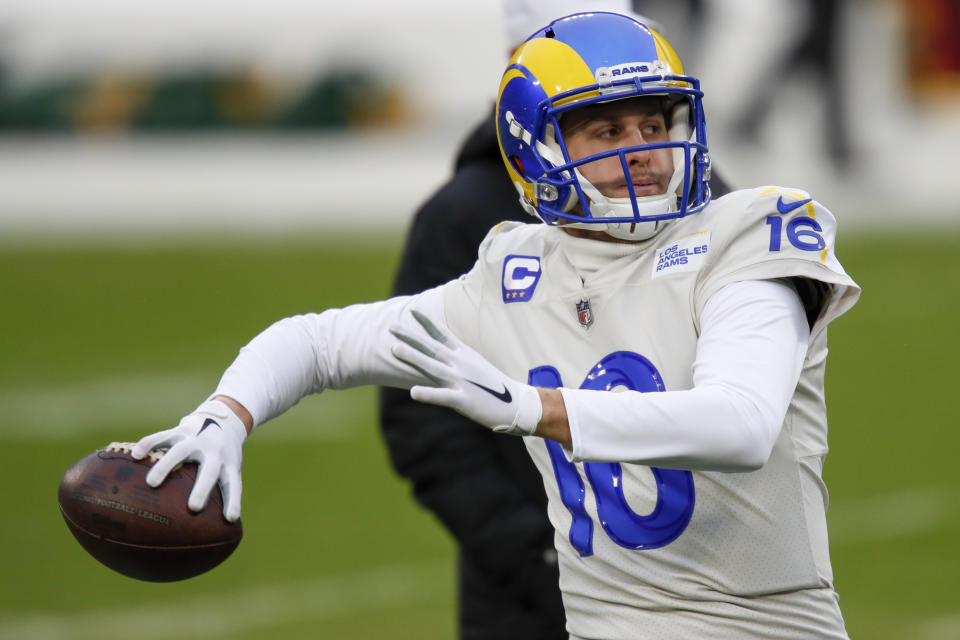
(114, 403)
(243, 610)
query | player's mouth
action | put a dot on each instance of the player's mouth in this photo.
(647, 187)
(642, 186)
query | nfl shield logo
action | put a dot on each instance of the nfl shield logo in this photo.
(584, 314)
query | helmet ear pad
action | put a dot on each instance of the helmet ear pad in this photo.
(680, 129)
(566, 196)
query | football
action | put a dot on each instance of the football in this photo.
(139, 531)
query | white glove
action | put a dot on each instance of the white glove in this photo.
(213, 437)
(465, 381)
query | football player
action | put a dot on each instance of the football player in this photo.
(661, 353)
(508, 588)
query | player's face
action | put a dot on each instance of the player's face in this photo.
(614, 125)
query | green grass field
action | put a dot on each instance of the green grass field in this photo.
(104, 343)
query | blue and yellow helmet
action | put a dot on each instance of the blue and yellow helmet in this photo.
(583, 59)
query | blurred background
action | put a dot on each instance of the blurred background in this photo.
(180, 115)
(175, 176)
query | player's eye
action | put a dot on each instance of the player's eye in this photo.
(655, 127)
(606, 131)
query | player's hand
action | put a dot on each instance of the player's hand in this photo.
(464, 380)
(211, 436)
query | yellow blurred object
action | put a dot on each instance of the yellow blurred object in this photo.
(249, 98)
(111, 101)
(392, 111)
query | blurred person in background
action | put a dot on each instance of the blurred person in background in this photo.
(483, 488)
(812, 47)
(684, 474)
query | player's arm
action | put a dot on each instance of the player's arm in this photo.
(295, 357)
(754, 337)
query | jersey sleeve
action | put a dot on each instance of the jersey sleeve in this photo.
(748, 361)
(335, 349)
(772, 233)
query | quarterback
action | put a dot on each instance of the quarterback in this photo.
(661, 353)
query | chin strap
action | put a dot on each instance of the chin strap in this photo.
(603, 207)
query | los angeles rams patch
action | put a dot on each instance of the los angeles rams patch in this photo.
(520, 277)
(686, 254)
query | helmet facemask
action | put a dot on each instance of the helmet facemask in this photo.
(629, 216)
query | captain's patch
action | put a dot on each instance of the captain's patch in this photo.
(520, 277)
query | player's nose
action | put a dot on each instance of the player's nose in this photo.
(636, 156)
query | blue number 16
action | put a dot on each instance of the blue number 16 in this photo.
(804, 233)
(675, 491)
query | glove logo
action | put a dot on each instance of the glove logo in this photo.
(520, 277)
(207, 423)
(502, 396)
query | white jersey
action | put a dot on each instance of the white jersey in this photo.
(728, 555)
(645, 551)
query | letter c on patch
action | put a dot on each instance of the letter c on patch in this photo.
(520, 277)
